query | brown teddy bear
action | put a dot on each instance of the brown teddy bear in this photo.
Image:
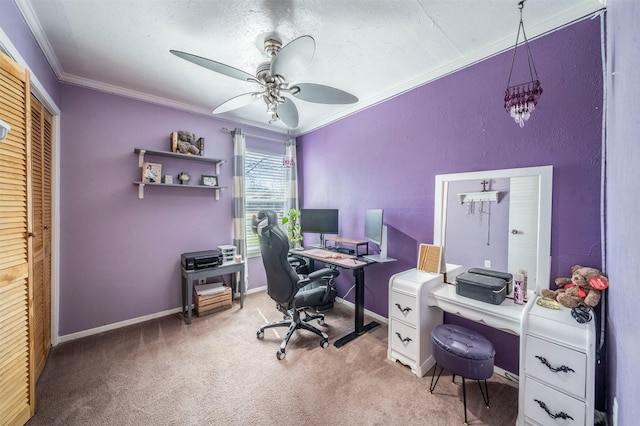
(584, 287)
(186, 143)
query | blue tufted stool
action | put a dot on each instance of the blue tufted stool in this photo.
(465, 353)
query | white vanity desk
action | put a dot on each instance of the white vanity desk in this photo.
(557, 355)
(506, 317)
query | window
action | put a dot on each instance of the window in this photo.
(265, 181)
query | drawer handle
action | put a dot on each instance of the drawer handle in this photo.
(562, 368)
(405, 311)
(405, 341)
(560, 415)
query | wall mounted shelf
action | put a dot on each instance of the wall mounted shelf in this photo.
(142, 152)
(466, 197)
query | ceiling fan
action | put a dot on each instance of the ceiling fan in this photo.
(287, 63)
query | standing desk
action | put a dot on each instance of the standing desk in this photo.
(188, 276)
(357, 265)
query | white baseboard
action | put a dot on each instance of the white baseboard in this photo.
(377, 317)
(506, 374)
(115, 325)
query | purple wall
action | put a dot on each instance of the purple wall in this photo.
(119, 254)
(387, 156)
(623, 227)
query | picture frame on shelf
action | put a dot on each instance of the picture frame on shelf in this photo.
(209, 180)
(151, 172)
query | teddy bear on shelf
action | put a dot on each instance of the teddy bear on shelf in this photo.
(584, 287)
(185, 143)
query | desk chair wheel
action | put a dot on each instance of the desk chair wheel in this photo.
(280, 355)
(321, 321)
(260, 334)
(324, 343)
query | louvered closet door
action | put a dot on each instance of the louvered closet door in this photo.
(17, 392)
(41, 135)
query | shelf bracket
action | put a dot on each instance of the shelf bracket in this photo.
(217, 173)
(141, 191)
(217, 191)
(141, 158)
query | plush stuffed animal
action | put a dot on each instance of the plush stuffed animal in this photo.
(584, 287)
(185, 143)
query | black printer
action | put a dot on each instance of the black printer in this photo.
(201, 259)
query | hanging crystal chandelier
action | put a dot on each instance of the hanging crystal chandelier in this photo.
(520, 100)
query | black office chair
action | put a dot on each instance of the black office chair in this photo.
(292, 293)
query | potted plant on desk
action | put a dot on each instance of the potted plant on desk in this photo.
(293, 228)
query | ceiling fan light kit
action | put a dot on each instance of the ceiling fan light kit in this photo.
(286, 63)
(520, 100)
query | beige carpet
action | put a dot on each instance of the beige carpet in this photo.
(216, 372)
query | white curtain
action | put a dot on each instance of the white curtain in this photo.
(290, 161)
(239, 216)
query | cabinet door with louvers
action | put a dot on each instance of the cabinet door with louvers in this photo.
(17, 391)
(41, 158)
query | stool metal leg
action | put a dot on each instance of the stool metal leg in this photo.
(464, 399)
(483, 391)
(433, 385)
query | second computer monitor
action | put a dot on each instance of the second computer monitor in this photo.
(319, 221)
(376, 232)
(373, 223)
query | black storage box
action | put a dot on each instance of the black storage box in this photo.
(481, 287)
(504, 275)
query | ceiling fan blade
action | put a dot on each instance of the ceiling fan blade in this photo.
(237, 102)
(214, 66)
(321, 94)
(294, 58)
(288, 113)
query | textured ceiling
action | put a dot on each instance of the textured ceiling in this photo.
(373, 49)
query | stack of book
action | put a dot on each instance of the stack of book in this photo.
(210, 298)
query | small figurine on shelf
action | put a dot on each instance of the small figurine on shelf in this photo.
(200, 144)
(184, 178)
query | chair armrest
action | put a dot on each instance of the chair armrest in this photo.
(325, 273)
(322, 273)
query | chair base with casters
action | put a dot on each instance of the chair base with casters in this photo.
(294, 321)
(465, 353)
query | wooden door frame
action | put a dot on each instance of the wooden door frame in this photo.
(39, 91)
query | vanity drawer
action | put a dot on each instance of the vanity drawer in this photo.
(543, 403)
(543, 357)
(404, 339)
(403, 307)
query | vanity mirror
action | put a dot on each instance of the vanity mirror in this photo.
(497, 219)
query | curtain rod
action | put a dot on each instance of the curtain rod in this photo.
(224, 129)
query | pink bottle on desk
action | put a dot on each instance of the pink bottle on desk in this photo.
(519, 289)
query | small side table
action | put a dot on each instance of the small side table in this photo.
(188, 276)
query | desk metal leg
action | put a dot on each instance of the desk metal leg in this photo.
(359, 328)
(187, 296)
(242, 285)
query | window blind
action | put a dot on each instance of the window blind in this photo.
(265, 188)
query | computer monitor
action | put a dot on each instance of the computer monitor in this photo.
(375, 231)
(319, 221)
(373, 223)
